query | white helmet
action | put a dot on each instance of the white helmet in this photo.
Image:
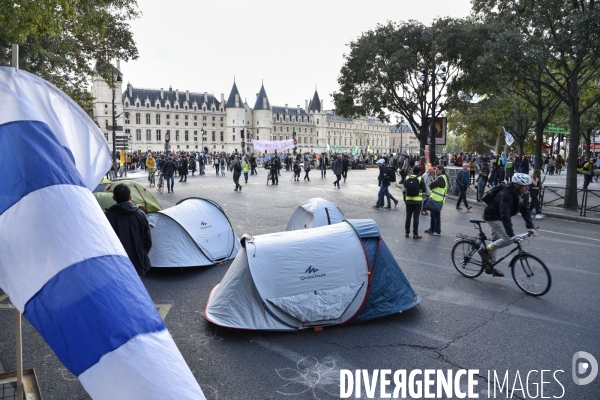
(522, 179)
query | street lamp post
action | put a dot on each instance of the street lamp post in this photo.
(114, 118)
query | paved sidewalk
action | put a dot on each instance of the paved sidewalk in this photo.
(553, 181)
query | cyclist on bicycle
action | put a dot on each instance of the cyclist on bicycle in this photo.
(509, 201)
(150, 165)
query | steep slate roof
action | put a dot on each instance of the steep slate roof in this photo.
(291, 111)
(315, 103)
(259, 100)
(154, 94)
(403, 128)
(333, 117)
(231, 100)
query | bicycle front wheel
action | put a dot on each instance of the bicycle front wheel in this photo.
(531, 274)
(161, 185)
(463, 254)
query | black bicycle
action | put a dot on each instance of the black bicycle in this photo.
(529, 272)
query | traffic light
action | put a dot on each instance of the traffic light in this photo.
(242, 133)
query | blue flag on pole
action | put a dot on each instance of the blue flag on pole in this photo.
(508, 137)
(64, 267)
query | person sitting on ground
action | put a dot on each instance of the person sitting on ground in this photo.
(132, 228)
(509, 201)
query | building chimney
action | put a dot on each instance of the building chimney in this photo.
(187, 95)
(176, 94)
(222, 98)
(298, 109)
(237, 100)
(205, 97)
(162, 94)
(306, 105)
(130, 89)
(322, 105)
(119, 65)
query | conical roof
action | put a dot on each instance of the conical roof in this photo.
(260, 104)
(231, 100)
(315, 103)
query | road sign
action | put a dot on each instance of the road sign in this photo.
(295, 141)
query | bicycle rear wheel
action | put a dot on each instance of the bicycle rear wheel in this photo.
(463, 254)
(152, 181)
(531, 274)
(161, 185)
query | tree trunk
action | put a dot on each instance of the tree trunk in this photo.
(588, 144)
(539, 139)
(571, 200)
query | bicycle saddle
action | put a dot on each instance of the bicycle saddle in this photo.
(476, 221)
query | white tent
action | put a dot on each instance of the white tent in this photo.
(292, 280)
(195, 232)
(314, 213)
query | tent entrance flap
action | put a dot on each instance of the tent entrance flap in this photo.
(325, 306)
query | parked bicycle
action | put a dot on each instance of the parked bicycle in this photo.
(529, 272)
(161, 183)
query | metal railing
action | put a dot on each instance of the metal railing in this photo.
(555, 196)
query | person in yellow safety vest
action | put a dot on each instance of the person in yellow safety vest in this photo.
(245, 168)
(439, 187)
(414, 186)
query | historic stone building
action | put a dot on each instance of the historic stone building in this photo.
(198, 120)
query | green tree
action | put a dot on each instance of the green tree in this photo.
(562, 39)
(381, 77)
(63, 41)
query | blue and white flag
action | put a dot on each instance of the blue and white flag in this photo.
(508, 137)
(61, 262)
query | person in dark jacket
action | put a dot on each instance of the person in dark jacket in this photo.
(384, 183)
(131, 226)
(462, 180)
(169, 170)
(184, 169)
(414, 204)
(507, 203)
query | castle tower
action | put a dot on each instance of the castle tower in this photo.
(236, 119)
(317, 114)
(262, 116)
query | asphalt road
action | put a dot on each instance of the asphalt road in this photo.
(486, 323)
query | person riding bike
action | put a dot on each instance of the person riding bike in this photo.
(509, 201)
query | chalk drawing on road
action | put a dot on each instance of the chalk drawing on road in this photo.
(311, 377)
(210, 393)
(204, 338)
(67, 375)
(163, 309)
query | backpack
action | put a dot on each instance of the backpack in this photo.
(237, 167)
(392, 174)
(222, 161)
(490, 195)
(412, 186)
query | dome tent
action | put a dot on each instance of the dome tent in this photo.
(264, 290)
(139, 195)
(314, 213)
(195, 232)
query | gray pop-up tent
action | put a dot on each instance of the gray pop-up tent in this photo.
(335, 274)
(314, 213)
(195, 232)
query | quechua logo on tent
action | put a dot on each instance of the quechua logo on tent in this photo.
(204, 225)
(312, 273)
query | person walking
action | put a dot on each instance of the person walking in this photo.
(384, 183)
(524, 168)
(184, 169)
(472, 170)
(413, 199)
(132, 228)
(345, 164)
(216, 164)
(236, 168)
(534, 192)
(253, 164)
(245, 169)
(169, 170)
(439, 188)
(324, 164)
(428, 178)
(297, 169)
(336, 167)
(510, 168)
(482, 181)
(223, 164)
(462, 180)
(306, 169)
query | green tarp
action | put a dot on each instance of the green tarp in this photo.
(139, 195)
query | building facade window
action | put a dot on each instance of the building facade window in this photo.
(138, 134)
(127, 121)
(186, 136)
(213, 136)
(147, 119)
(177, 136)
(221, 136)
(148, 135)
(138, 118)
(158, 135)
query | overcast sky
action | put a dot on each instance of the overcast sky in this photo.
(290, 45)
